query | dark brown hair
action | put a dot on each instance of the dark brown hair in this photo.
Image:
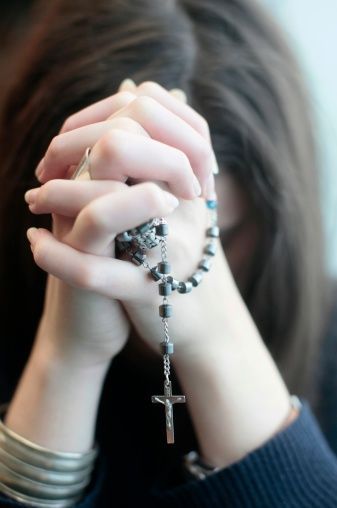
(233, 64)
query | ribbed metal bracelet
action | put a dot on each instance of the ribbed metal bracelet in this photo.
(40, 477)
(40, 456)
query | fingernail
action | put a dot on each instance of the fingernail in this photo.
(179, 94)
(171, 199)
(30, 196)
(196, 186)
(127, 85)
(32, 234)
(210, 193)
(215, 166)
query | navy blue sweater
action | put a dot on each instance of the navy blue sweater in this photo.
(296, 468)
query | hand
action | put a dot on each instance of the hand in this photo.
(80, 208)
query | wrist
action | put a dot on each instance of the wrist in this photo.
(55, 403)
(235, 395)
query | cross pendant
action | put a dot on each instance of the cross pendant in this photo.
(168, 400)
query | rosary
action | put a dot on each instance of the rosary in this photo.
(135, 242)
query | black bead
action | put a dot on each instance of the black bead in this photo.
(196, 278)
(165, 289)
(213, 232)
(164, 267)
(138, 257)
(185, 287)
(154, 274)
(210, 249)
(167, 348)
(162, 229)
(205, 264)
(165, 310)
(174, 282)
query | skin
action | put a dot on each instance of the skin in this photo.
(235, 394)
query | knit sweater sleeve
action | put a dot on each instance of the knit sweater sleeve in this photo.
(296, 468)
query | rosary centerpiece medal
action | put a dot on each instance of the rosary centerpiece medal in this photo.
(135, 243)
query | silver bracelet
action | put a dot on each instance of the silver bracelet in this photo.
(37, 476)
(195, 467)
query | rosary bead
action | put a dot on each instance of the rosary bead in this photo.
(165, 310)
(154, 274)
(138, 257)
(210, 249)
(167, 348)
(162, 229)
(185, 287)
(211, 203)
(164, 267)
(196, 278)
(213, 232)
(165, 289)
(174, 282)
(144, 227)
(124, 237)
(205, 264)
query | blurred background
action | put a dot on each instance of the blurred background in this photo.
(311, 28)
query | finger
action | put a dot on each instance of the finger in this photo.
(119, 155)
(174, 103)
(166, 127)
(68, 197)
(102, 219)
(107, 276)
(67, 149)
(98, 112)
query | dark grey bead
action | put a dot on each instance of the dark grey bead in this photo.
(144, 227)
(138, 257)
(164, 267)
(165, 310)
(174, 282)
(124, 237)
(154, 273)
(205, 264)
(165, 289)
(185, 287)
(167, 348)
(162, 229)
(210, 249)
(196, 278)
(213, 232)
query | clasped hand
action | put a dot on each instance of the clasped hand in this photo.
(147, 136)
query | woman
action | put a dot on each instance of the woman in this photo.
(83, 359)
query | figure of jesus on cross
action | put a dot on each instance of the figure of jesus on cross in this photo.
(168, 400)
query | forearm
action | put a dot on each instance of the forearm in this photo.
(56, 401)
(236, 396)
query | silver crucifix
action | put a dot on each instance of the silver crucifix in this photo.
(168, 400)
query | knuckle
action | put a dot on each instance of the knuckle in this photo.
(148, 87)
(113, 145)
(143, 104)
(91, 218)
(126, 96)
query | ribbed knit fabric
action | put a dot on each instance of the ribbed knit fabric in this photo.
(294, 469)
